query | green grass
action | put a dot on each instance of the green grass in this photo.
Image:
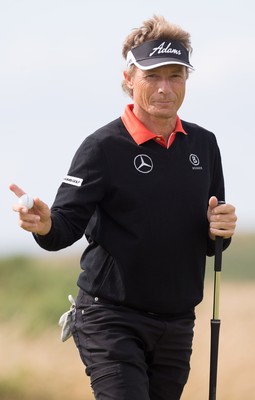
(34, 291)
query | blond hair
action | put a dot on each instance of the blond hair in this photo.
(154, 28)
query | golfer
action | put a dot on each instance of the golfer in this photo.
(144, 189)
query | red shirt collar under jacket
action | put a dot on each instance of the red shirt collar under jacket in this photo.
(140, 134)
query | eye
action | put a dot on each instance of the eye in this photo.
(177, 77)
(151, 76)
(176, 74)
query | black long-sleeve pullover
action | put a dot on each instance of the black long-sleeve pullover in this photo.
(144, 210)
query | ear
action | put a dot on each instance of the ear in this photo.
(129, 79)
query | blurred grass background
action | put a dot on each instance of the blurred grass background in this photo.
(34, 291)
(34, 294)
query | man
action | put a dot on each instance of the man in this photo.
(145, 191)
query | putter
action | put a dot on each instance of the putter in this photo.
(215, 321)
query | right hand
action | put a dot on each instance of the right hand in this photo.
(37, 219)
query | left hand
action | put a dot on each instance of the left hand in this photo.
(222, 219)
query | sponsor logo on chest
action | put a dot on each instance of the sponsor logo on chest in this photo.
(144, 164)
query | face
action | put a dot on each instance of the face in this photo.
(158, 92)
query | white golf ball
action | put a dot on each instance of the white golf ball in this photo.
(26, 201)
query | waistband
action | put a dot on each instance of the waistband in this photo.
(88, 299)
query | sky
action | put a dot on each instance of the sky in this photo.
(60, 79)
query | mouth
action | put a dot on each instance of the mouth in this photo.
(163, 102)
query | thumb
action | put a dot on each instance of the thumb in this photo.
(213, 202)
(40, 205)
(16, 190)
(40, 208)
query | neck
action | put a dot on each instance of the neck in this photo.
(157, 125)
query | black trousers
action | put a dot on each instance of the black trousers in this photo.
(130, 354)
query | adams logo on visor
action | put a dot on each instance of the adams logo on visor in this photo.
(165, 49)
(72, 180)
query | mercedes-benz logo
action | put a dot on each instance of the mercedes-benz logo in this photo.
(143, 163)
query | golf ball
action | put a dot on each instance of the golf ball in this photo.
(26, 201)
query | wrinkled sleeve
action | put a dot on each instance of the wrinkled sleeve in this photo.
(80, 192)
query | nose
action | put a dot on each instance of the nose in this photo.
(164, 87)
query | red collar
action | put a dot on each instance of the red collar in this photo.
(140, 134)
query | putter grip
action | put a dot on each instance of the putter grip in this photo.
(218, 249)
(215, 330)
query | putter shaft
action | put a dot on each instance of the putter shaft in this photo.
(215, 321)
